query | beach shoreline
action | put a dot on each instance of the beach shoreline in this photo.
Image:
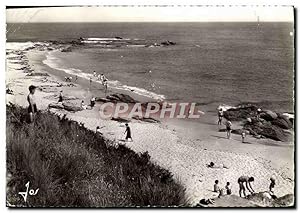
(183, 147)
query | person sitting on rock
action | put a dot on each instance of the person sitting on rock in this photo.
(216, 186)
(258, 113)
(247, 181)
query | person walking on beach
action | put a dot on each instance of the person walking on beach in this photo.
(220, 115)
(128, 133)
(60, 97)
(228, 128)
(245, 181)
(32, 108)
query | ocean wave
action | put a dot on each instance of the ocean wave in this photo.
(52, 62)
(19, 45)
(106, 39)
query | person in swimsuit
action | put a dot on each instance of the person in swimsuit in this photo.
(245, 181)
(105, 86)
(216, 186)
(128, 131)
(60, 97)
(220, 115)
(32, 108)
(243, 134)
(228, 188)
(228, 128)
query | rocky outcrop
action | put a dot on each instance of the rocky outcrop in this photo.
(261, 123)
(241, 113)
(118, 97)
(71, 107)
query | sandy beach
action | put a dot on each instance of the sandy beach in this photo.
(183, 147)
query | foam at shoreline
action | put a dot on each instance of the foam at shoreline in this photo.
(52, 62)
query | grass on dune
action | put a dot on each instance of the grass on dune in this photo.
(74, 167)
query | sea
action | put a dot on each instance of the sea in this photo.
(210, 64)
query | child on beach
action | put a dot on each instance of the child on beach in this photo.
(247, 181)
(243, 134)
(32, 109)
(128, 131)
(83, 106)
(216, 186)
(228, 128)
(228, 188)
(220, 115)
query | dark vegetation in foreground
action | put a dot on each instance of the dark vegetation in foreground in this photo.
(73, 167)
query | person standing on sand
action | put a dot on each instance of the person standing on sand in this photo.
(228, 128)
(32, 109)
(220, 115)
(60, 97)
(91, 81)
(247, 181)
(243, 134)
(128, 131)
(105, 86)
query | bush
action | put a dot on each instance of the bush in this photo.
(73, 167)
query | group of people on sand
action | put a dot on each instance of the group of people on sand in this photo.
(244, 184)
(100, 77)
(228, 125)
(32, 109)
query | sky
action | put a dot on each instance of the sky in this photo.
(150, 14)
